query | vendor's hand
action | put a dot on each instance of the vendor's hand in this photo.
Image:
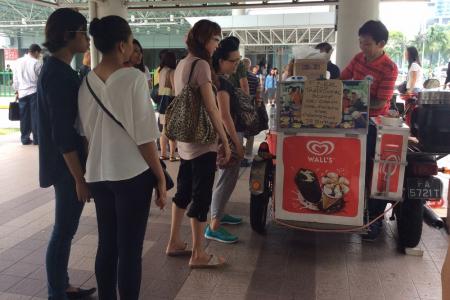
(82, 190)
(161, 194)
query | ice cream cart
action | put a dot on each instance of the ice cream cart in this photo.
(319, 149)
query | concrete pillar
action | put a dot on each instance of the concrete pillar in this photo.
(239, 12)
(352, 14)
(99, 9)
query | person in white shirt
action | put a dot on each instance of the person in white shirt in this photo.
(25, 77)
(414, 82)
(123, 165)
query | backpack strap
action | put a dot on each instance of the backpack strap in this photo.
(192, 69)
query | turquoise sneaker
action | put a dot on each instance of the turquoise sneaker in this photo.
(220, 235)
(230, 220)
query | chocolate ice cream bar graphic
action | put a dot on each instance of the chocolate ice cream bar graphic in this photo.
(308, 185)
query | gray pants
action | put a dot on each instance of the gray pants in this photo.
(225, 185)
(249, 147)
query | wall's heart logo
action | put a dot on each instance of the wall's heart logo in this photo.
(320, 148)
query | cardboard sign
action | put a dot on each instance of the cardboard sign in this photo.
(319, 177)
(322, 103)
(310, 68)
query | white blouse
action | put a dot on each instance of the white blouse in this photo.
(113, 153)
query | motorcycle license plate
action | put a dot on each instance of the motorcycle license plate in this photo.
(419, 188)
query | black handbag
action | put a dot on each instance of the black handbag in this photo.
(169, 181)
(14, 111)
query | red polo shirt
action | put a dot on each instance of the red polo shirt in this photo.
(384, 73)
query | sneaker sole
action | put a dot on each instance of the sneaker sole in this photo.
(219, 240)
(230, 223)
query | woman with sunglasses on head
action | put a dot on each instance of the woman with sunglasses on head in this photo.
(225, 61)
(61, 151)
(123, 165)
(198, 161)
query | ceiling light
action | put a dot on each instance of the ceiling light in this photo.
(24, 21)
(168, 28)
(178, 31)
(157, 25)
(132, 18)
(171, 18)
(182, 21)
(137, 30)
(148, 32)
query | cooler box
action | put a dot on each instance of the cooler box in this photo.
(389, 161)
(320, 178)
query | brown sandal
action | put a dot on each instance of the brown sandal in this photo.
(173, 158)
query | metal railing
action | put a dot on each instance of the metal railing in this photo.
(6, 89)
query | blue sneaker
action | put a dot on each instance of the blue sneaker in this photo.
(230, 220)
(220, 235)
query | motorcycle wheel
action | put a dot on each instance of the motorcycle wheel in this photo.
(409, 222)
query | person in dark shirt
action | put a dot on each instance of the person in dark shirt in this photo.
(447, 79)
(332, 68)
(61, 153)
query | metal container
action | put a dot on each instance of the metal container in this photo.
(434, 97)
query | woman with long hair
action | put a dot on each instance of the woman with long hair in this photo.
(61, 151)
(137, 61)
(165, 93)
(123, 165)
(414, 81)
(198, 161)
(225, 61)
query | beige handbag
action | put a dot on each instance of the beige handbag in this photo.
(186, 117)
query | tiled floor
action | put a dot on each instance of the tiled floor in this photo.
(284, 264)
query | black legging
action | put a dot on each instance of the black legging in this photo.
(122, 213)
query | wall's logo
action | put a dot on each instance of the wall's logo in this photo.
(320, 148)
(320, 151)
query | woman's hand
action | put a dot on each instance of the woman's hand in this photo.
(227, 154)
(161, 194)
(82, 189)
(240, 151)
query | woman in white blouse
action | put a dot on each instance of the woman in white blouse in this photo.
(414, 82)
(123, 164)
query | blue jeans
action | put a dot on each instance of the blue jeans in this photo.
(67, 216)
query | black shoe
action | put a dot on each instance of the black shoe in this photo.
(27, 142)
(81, 293)
(374, 232)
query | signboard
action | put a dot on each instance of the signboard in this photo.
(322, 103)
(321, 178)
(310, 68)
(11, 54)
(315, 104)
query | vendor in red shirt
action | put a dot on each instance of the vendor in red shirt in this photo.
(372, 61)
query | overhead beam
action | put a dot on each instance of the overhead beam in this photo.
(201, 5)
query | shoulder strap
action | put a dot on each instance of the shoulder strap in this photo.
(192, 69)
(101, 104)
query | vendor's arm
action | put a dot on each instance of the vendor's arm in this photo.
(347, 73)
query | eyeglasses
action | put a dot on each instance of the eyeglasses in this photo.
(235, 61)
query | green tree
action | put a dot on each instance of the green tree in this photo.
(396, 46)
(436, 42)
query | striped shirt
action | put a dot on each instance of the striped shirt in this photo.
(384, 73)
(253, 83)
